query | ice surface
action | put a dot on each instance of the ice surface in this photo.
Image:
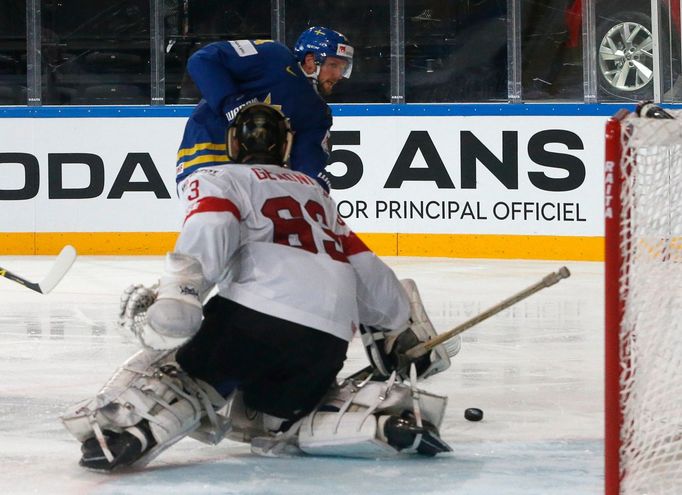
(535, 370)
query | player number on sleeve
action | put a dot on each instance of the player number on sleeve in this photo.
(193, 190)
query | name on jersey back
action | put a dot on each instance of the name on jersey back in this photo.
(263, 174)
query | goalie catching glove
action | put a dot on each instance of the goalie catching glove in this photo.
(135, 301)
(386, 349)
(167, 314)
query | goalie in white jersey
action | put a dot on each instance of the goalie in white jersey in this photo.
(294, 285)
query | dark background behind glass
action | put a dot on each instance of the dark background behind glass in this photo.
(95, 52)
(12, 52)
(455, 50)
(190, 25)
(551, 50)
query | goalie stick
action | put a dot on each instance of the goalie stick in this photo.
(59, 268)
(423, 348)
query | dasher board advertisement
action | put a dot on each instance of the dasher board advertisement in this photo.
(402, 175)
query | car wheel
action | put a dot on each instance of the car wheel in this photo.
(625, 55)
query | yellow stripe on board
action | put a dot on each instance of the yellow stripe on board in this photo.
(432, 245)
(104, 243)
(17, 243)
(535, 247)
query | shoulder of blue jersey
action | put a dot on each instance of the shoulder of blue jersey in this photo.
(248, 48)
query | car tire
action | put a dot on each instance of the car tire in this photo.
(624, 56)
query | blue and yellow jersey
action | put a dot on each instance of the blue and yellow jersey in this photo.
(231, 74)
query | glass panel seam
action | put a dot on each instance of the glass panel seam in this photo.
(589, 28)
(277, 21)
(514, 82)
(397, 35)
(157, 55)
(33, 53)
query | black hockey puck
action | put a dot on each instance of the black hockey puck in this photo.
(473, 414)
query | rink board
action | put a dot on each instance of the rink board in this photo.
(457, 181)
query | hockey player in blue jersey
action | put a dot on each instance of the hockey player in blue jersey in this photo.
(232, 74)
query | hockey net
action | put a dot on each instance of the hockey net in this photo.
(643, 278)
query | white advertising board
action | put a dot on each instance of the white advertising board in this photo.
(94, 174)
(474, 175)
(525, 175)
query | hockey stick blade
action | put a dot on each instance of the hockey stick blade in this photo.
(60, 267)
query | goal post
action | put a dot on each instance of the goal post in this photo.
(613, 311)
(643, 305)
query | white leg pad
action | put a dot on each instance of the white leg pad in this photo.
(356, 429)
(352, 435)
(386, 398)
(184, 416)
(150, 386)
(130, 391)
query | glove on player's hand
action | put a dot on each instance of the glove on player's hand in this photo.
(387, 350)
(134, 303)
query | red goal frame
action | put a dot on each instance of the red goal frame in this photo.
(614, 307)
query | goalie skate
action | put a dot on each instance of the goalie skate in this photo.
(122, 449)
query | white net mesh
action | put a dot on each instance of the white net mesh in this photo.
(651, 284)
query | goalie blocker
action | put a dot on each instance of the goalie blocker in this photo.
(387, 350)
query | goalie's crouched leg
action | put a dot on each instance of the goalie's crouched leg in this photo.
(147, 406)
(375, 420)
